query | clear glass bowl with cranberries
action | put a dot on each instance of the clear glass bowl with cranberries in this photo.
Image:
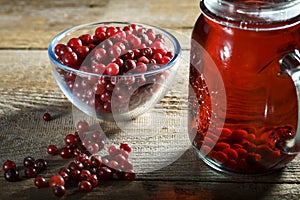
(114, 70)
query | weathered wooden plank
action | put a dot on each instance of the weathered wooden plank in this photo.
(26, 95)
(31, 24)
(157, 190)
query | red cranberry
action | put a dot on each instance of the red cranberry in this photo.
(84, 174)
(65, 153)
(28, 161)
(96, 161)
(114, 51)
(86, 39)
(126, 147)
(93, 180)
(56, 180)
(100, 54)
(128, 65)
(74, 42)
(104, 173)
(71, 139)
(82, 126)
(85, 186)
(100, 32)
(128, 56)
(64, 169)
(129, 175)
(62, 49)
(40, 182)
(40, 165)
(75, 175)
(93, 147)
(30, 172)
(99, 68)
(59, 190)
(47, 117)
(82, 51)
(11, 175)
(70, 59)
(52, 149)
(140, 67)
(65, 176)
(134, 41)
(120, 159)
(113, 150)
(9, 164)
(112, 69)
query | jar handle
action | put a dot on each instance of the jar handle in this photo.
(290, 64)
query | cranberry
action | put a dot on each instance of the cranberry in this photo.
(65, 176)
(62, 49)
(71, 139)
(69, 58)
(30, 172)
(82, 126)
(165, 60)
(93, 180)
(47, 117)
(59, 190)
(128, 56)
(86, 39)
(52, 149)
(101, 32)
(129, 65)
(93, 147)
(11, 175)
(85, 186)
(28, 161)
(9, 164)
(126, 147)
(40, 182)
(82, 51)
(85, 174)
(99, 68)
(65, 153)
(114, 51)
(56, 180)
(129, 175)
(100, 54)
(113, 150)
(40, 165)
(112, 69)
(120, 159)
(74, 42)
(104, 173)
(140, 67)
(75, 175)
(105, 96)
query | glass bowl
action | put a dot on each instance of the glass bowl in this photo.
(104, 94)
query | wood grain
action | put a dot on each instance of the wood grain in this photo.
(31, 24)
(26, 95)
(28, 90)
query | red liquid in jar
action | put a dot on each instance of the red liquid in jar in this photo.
(245, 126)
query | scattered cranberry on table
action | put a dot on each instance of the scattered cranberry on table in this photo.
(40, 182)
(9, 164)
(85, 170)
(47, 117)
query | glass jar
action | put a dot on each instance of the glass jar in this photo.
(244, 84)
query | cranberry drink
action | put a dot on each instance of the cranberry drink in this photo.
(249, 129)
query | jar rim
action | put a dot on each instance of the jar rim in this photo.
(253, 11)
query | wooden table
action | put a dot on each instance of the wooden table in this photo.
(27, 90)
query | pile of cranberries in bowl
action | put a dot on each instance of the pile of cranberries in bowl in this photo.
(114, 70)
